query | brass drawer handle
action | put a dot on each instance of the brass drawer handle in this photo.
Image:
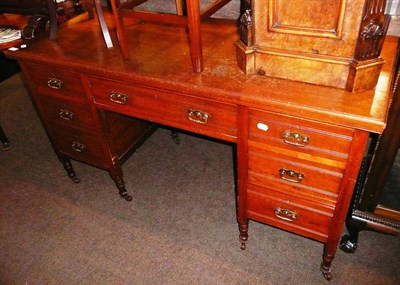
(290, 175)
(55, 83)
(285, 214)
(119, 98)
(79, 147)
(66, 115)
(295, 139)
(198, 116)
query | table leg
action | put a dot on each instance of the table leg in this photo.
(68, 167)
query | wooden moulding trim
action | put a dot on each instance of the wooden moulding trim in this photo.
(314, 57)
(335, 33)
(367, 63)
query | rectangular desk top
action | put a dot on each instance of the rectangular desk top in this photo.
(159, 58)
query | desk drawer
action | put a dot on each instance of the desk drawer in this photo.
(299, 135)
(181, 111)
(66, 113)
(294, 176)
(82, 146)
(54, 81)
(287, 212)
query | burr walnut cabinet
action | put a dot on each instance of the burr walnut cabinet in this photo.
(299, 146)
(326, 42)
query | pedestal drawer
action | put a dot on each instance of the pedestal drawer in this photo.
(81, 146)
(66, 113)
(52, 80)
(177, 110)
(294, 175)
(298, 134)
(287, 212)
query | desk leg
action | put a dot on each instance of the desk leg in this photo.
(242, 174)
(117, 175)
(243, 236)
(356, 153)
(68, 167)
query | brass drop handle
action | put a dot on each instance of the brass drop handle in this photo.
(55, 83)
(79, 147)
(291, 175)
(295, 139)
(198, 116)
(66, 115)
(285, 214)
(119, 98)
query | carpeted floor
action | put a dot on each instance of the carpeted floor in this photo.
(180, 229)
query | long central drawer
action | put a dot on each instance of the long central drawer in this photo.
(197, 115)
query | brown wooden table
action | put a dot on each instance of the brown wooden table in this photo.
(299, 146)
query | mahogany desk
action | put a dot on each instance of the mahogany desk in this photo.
(299, 146)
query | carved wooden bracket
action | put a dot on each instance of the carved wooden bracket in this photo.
(372, 30)
(245, 23)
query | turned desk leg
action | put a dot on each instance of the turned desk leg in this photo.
(326, 265)
(68, 167)
(242, 165)
(175, 137)
(243, 236)
(330, 249)
(117, 176)
(122, 190)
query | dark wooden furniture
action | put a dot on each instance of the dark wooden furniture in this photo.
(296, 39)
(41, 11)
(299, 146)
(367, 212)
(189, 15)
